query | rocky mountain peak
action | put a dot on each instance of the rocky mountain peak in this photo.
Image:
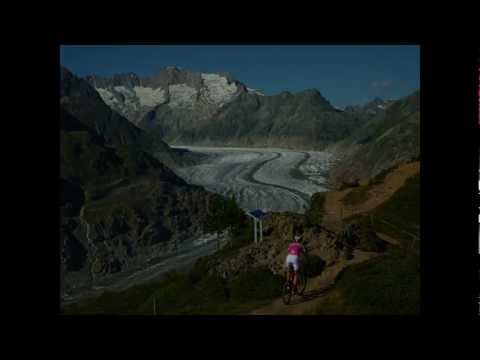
(315, 96)
(310, 92)
(285, 94)
(171, 88)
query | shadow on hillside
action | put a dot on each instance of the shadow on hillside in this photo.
(311, 295)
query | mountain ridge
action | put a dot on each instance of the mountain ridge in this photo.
(184, 106)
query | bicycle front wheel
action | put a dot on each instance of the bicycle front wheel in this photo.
(302, 283)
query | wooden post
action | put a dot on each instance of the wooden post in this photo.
(261, 231)
(255, 230)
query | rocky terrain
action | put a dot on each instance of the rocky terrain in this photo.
(328, 243)
(120, 206)
(83, 109)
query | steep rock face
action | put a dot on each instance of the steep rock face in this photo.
(81, 101)
(137, 98)
(120, 208)
(83, 109)
(384, 141)
(129, 225)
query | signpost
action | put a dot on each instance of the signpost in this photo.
(257, 215)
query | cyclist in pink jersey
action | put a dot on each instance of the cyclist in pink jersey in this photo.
(294, 251)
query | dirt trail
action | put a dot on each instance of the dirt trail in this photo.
(318, 286)
(336, 210)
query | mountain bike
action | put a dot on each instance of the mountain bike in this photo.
(289, 289)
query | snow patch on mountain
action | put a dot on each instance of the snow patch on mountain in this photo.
(107, 97)
(134, 100)
(128, 93)
(130, 97)
(150, 97)
(181, 95)
(219, 90)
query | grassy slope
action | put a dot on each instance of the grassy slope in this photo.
(361, 193)
(402, 111)
(381, 143)
(389, 284)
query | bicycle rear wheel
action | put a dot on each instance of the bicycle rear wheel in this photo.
(287, 292)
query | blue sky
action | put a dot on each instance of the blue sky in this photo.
(344, 74)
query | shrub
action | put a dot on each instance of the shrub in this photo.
(361, 235)
(313, 265)
(314, 215)
(199, 270)
(224, 213)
